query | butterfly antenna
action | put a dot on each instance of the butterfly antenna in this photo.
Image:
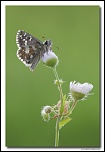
(56, 47)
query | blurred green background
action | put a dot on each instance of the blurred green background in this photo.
(75, 30)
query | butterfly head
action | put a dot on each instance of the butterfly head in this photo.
(48, 44)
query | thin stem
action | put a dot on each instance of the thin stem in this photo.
(57, 132)
(58, 119)
(73, 105)
(56, 74)
(59, 85)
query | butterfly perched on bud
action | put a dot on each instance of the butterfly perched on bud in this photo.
(31, 50)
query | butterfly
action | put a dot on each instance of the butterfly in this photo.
(30, 49)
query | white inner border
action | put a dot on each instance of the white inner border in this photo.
(3, 74)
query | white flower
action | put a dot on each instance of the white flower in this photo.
(80, 91)
(50, 59)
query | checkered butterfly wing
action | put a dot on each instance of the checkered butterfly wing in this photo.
(30, 49)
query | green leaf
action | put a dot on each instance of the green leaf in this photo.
(63, 122)
(62, 104)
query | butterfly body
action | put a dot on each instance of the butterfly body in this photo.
(31, 50)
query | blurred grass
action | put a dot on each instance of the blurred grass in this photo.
(75, 30)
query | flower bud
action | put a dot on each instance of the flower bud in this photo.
(50, 59)
(45, 113)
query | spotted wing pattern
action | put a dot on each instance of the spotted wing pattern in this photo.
(30, 49)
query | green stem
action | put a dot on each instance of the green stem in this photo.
(73, 105)
(57, 132)
(58, 119)
(59, 85)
